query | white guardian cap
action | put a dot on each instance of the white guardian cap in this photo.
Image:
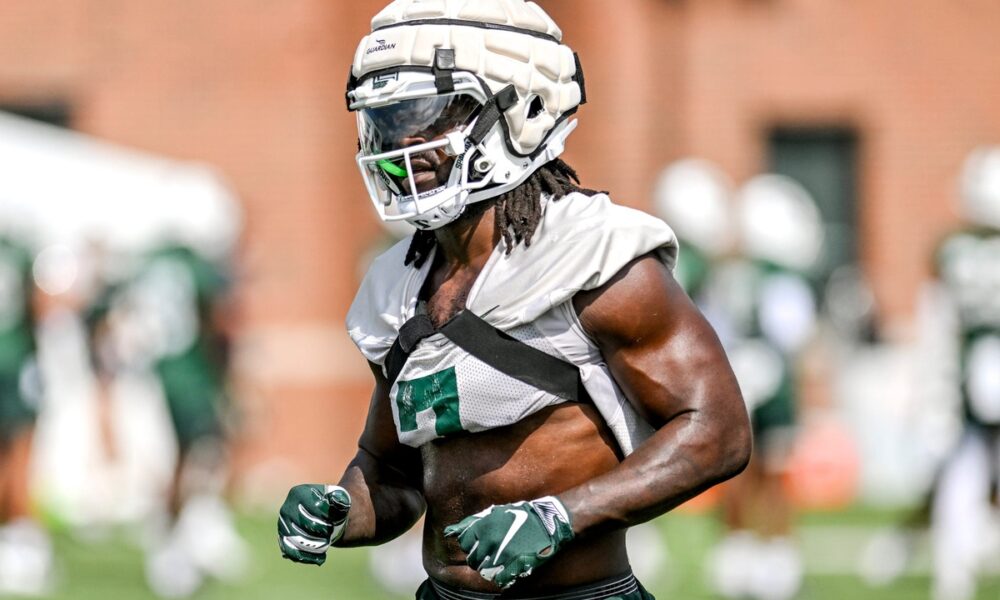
(459, 101)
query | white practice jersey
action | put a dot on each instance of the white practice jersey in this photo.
(582, 242)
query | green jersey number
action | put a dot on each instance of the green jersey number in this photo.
(437, 392)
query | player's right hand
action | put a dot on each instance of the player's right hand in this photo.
(312, 518)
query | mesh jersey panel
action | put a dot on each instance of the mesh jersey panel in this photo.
(483, 397)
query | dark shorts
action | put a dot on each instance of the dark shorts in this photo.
(195, 416)
(622, 587)
(15, 412)
(195, 395)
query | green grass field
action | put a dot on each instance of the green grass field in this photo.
(112, 568)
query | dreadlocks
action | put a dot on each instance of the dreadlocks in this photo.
(518, 212)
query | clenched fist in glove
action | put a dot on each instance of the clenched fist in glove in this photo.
(312, 518)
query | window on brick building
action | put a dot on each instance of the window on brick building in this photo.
(824, 161)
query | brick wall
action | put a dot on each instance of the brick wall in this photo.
(256, 88)
(920, 81)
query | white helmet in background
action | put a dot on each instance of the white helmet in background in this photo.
(695, 198)
(980, 187)
(459, 101)
(779, 223)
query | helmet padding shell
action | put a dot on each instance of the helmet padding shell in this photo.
(502, 42)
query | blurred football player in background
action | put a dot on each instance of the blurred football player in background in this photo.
(108, 357)
(25, 551)
(965, 520)
(765, 311)
(169, 316)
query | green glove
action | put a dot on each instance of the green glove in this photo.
(508, 542)
(312, 518)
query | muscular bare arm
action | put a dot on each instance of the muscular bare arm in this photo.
(383, 479)
(668, 361)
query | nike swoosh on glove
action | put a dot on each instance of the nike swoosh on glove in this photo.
(508, 542)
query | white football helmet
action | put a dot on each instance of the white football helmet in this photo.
(459, 101)
(779, 223)
(980, 187)
(695, 198)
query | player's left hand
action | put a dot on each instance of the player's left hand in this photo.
(507, 542)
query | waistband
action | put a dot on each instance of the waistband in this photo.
(600, 590)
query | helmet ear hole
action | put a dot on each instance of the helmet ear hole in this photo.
(535, 107)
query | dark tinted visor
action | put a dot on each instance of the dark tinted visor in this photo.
(411, 122)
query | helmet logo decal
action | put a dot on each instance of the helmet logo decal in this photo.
(381, 47)
(383, 80)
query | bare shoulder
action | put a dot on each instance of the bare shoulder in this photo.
(660, 349)
(642, 300)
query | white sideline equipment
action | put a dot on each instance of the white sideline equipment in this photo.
(506, 57)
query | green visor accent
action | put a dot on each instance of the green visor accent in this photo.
(392, 168)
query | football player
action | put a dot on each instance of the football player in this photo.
(968, 270)
(168, 316)
(765, 307)
(542, 382)
(25, 551)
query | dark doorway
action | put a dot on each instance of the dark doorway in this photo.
(824, 160)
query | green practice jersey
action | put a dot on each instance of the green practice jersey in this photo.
(764, 316)
(692, 269)
(176, 292)
(17, 339)
(17, 335)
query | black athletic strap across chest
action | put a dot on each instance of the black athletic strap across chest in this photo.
(493, 347)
